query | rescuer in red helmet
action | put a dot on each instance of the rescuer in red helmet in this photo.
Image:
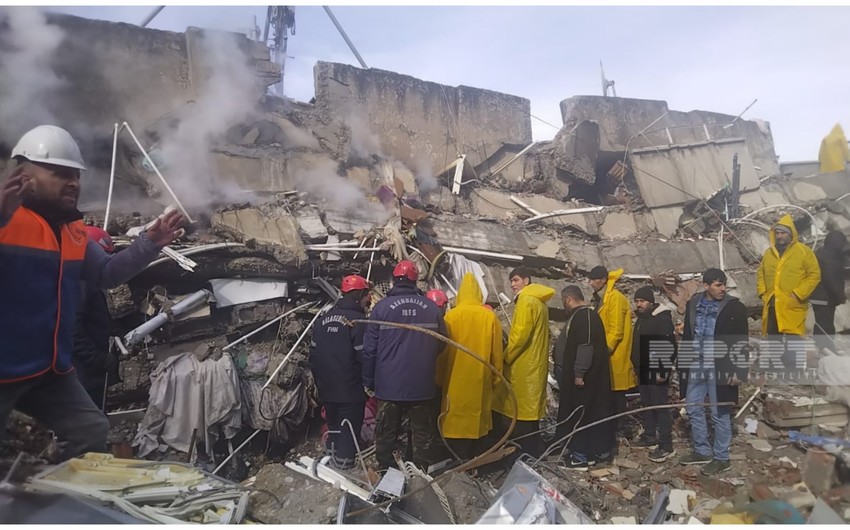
(399, 366)
(438, 297)
(95, 364)
(336, 360)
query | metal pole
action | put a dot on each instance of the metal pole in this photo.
(111, 179)
(158, 174)
(152, 15)
(344, 36)
(268, 21)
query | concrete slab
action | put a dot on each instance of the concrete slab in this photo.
(480, 235)
(806, 192)
(585, 256)
(495, 204)
(311, 225)
(548, 249)
(618, 225)
(654, 257)
(350, 222)
(275, 228)
(667, 219)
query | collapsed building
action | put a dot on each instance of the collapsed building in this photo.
(286, 197)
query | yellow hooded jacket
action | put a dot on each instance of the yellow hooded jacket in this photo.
(796, 273)
(834, 151)
(468, 384)
(617, 319)
(527, 357)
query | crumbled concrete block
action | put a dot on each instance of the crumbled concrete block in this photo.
(624, 520)
(618, 225)
(283, 496)
(818, 471)
(679, 501)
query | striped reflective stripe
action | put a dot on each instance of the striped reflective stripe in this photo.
(358, 348)
(428, 326)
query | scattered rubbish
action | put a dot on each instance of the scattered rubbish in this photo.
(786, 460)
(761, 445)
(154, 492)
(624, 520)
(658, 513)
(680, 501)
(751, 425)
(626, 463)
(830, 444)
(390, 486)
(527, 498)
(823, 514)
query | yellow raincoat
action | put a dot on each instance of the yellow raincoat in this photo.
(834, 151)
(468, 384)
(796, 273)
(527, 357)
(617, 319)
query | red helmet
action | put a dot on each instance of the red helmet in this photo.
(438, 297)
(354, 282)
(101, 237)
(406, 269)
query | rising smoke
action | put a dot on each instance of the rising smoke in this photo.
(28, 44)
(228, 97)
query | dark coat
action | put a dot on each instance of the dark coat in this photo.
(832, 259)
(732, 330)
(336, 354)
(655, 326)
(91, 356)
(400, 364)
(585, 327)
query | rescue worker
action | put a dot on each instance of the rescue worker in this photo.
(399, 366)
(713, 319)
(44, 255)
(653, 355)
(584, 383)
(467, 384)
(526, 363)
(438, 297)
(337, 364)
(829, 294)
(614, 310)
(95, 364)
(787, 276)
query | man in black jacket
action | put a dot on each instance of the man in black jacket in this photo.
(713, 359)
(653, 354)
(336, 360)
(829, 293)
(95, 364)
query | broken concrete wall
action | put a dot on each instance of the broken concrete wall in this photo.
(407, 119)
(622, 119)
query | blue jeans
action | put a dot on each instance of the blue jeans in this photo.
(701, 383)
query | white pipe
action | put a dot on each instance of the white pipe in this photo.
(233, 453)
(158, 174)
(196, 250)
(178, 309)
(371, 260)
(340, 249)
(111, 178)
(511, 257)
(564, 212)
(525, 206)
(267, 324)
(720, 249)
(340, 244)
(297, 343)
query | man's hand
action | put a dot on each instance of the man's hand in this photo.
(165, 229)
(579, 381)
(13, 191)
(369, 392)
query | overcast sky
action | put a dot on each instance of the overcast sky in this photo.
(793, 59)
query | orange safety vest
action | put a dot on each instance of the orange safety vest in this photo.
(40, 291)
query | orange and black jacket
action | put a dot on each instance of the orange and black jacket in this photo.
(40, 288)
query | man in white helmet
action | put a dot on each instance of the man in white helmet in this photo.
(44, 256)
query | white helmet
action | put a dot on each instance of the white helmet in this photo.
(50, 144)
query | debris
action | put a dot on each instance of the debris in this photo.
(820, 441)
(184, 306)
(799, 496)
(819, 471)
(761, 445)
(823, 514)
(786, 460)
(751, 425)
(680, 501)
(235, 291)
(626, 463)
(658, 513)
(624, 520)
(391, 485)
(155, 492)
(782, 412)
(527, 498)
(282, 496)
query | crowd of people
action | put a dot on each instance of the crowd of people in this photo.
(607, 348)
(53, 270)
